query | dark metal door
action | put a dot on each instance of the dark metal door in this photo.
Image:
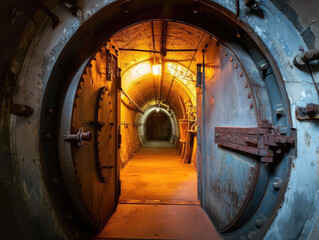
(89, 142)
(231, 182)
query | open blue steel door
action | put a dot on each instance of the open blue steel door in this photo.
(233, 96)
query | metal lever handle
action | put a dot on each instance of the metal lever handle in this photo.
(78, 137)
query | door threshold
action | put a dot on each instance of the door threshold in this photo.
(158, 202)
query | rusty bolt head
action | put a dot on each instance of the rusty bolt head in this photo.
(248, 95)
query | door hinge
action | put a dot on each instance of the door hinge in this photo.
(310, 112)
(265, 142)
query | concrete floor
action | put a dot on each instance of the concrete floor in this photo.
(140, 221)
(159, 199)
(156, 173)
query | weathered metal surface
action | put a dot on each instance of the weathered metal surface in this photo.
(20, 110)
(265, 142)
(46, 10)
(306, 57)
(311, 111)
(233, 183)
(276, 36)
(90, 171)
(106, 138)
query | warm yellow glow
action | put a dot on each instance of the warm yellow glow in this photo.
(180, 72)
(157, 69)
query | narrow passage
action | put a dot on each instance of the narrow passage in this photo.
(159, 199)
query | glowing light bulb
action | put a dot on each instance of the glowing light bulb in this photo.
(157, 109)
(156, 69)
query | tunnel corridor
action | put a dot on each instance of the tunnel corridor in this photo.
(156, 173)
(158, 199)
(162, 119)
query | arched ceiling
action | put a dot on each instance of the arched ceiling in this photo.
(171, 45)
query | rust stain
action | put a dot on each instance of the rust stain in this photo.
(307, 139)
(293, 165)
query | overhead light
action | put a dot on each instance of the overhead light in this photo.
(156, 69)
(157, 109)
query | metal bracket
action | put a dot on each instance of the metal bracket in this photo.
(310, 112)
(20, 110)
(265, 141)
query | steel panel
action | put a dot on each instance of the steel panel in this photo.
(231, 180)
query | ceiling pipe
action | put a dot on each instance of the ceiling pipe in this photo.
(153, 39)
(194, 54)
(163, 38)
(138, 50)
(132, 101)
(152, 51)
(170, 88)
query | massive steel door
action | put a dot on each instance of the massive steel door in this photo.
(88, 142)
(238, 144)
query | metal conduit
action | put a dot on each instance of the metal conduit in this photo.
(132, 101)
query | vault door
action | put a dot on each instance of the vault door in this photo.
(88, 141)
(231, 182)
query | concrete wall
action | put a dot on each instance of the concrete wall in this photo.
(130, 140)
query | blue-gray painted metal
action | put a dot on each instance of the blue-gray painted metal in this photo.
(233, 184)
(279, 41)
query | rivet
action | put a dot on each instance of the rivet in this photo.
(246, 85)
(241, 74)
(228, 137)
(235, 65)
(50, 110)
(251, 106)
(277, 183)
(226, 53)
(231, 59)
(248, 95)
(252, 168)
